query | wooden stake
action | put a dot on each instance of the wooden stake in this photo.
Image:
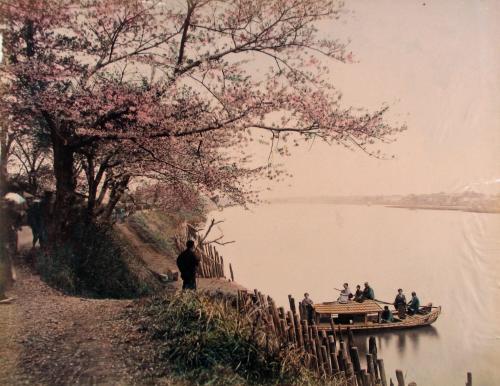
(469, 379)
(400, 377)
(326, 360)
(370, 367)
(381, 369)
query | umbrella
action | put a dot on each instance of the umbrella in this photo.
(17, 198)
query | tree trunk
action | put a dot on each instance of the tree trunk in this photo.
(5, 248)
(5, 144)
(64, 206)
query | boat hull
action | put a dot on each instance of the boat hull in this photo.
(411, 321)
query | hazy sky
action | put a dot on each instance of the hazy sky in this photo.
(437, 63)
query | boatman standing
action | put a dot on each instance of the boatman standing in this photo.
(400, 304)
(187, 262)
(308, 305)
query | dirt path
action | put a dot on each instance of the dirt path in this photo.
(60, 340)
(48, 338)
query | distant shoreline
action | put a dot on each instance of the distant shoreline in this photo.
(456, 208)
(453, 208)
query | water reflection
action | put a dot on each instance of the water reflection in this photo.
(402, 340)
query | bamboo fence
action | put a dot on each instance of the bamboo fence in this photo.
(211, 262)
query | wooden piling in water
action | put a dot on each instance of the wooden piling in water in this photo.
(370, 368)
(364, 378)
(381, 368)
(372, 348)
(400, 378)
(333, 355)
(469, 379)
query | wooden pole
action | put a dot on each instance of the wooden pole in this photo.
(400, 377)
(372, 344)
(298, 331)
(355, 359)
(291, 301)
(284, 329)
(231, 271)
(469, 379)
(364, 378)
(381, 369)
(326, 360)
(350, 337)
(292, 327)
(315, 356)
(332, 325)
(333, 355)
(305, 331)
(370, 368)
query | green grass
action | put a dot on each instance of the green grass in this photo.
(202, 339)
(95, 262)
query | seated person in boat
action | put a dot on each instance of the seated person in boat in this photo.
(308, 306)
(345, 294)
(400, 304)
(368, 292)
(386, 316)
(358, 296)
(414, 304)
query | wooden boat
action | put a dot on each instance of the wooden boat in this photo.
(367, 316)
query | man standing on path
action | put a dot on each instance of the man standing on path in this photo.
(188, 262)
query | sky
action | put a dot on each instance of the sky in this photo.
(437, 64)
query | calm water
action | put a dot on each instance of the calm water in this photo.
(449, 258)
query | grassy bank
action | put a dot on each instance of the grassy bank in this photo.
(202, 339)
(96, 262)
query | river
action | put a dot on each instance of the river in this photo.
(449, 258)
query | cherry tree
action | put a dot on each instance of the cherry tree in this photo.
(174, 92)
